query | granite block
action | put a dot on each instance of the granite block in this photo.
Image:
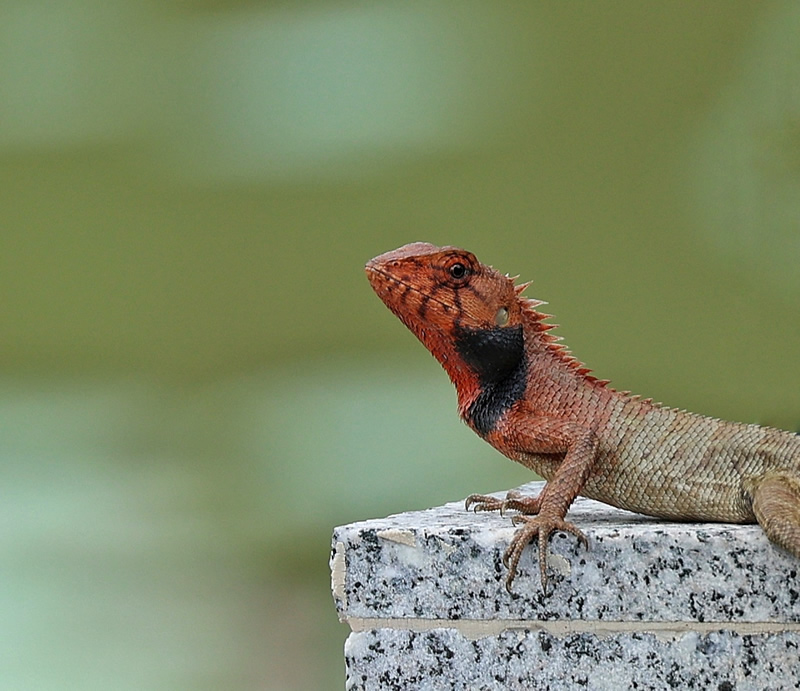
(444, 658)
(423, 593)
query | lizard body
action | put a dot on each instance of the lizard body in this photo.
(525, 394)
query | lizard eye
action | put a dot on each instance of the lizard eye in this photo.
(458, 270)
(501, 318)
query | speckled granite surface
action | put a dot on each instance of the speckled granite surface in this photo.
(445, 659)
(664, 605)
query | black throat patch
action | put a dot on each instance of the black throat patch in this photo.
(497, 357)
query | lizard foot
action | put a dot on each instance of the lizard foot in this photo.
(541, 526)
(514, 501)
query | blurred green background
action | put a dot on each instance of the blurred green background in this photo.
(197, 381)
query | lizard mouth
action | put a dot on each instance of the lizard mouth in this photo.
(381, 282)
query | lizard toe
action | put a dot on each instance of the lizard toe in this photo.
(483, 502)
(514, 501)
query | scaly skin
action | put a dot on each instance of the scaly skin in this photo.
(529, 398)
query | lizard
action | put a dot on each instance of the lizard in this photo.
(521, 390)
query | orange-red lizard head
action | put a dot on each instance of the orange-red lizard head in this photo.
(466, 313)
(442, 289)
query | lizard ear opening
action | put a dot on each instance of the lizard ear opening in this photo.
(501, 318)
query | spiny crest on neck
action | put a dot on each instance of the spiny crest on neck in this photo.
(536, 321)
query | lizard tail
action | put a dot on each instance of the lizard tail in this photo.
(776, 504)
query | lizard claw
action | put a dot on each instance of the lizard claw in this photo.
(514, 501)
(482, 502)
(541, 526)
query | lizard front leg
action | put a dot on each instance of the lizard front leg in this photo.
(776, 505)
(522, 433)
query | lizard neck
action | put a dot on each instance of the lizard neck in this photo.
(494, 368)
(491, 373)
